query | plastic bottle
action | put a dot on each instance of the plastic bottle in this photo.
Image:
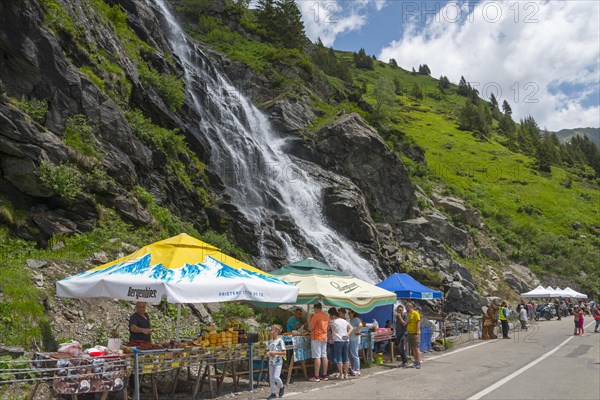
(375, 325)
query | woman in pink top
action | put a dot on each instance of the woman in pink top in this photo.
(581, 322)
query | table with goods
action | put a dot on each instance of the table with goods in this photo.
(74, 371)
(215, 354)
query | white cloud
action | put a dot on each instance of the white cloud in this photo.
(328, 19)
(534, 52)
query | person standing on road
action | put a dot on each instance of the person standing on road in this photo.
(401, 322)
(581, 332)
(503, 317)
(530, 310)
(413, 329)
(319, 322)
(523, 318)
(597, 317)
(333, 314)
(275, 353)
(355, 343)
(340, 328)
(576, 320)
(557, 308)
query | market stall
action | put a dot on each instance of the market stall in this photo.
(181, 269)
(73, 375)
(318, 282)
(408, 288)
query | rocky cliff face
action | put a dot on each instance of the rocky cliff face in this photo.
(45, 65)
(89, 66)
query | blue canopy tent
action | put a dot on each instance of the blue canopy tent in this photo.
(405, 287)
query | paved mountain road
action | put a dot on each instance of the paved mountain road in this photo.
(544, 363)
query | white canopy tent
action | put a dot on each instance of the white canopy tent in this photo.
(537, 292)
(560, 292)
(568, 292)
(552, 292)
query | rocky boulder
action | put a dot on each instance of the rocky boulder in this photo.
(437, 226)
(462, 299)
(347, 211)
(291, 116)
(457, 208)
(350, 147)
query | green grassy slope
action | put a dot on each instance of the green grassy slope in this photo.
(531, 213)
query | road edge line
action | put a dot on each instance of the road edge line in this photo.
(518, 372)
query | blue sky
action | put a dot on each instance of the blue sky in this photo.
(543, 57)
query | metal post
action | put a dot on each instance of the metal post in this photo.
(444, 324)
(178, 319)
(251, 368)
(137, 375)
(469, 327)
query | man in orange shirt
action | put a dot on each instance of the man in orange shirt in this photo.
(318, 324)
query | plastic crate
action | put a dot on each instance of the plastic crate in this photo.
(265, 371)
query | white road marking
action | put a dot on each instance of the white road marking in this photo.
(523, 369)
(457, 351)
(429, 359)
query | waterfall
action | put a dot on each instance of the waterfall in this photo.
(248, 155)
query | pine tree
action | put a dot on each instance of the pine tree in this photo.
(393, 62)
(528, 136)
(475, 116)
(326, 59)
(362, 60)
(397, 86)
(506, 108)
(289, 26)
(444, 82)
(265, 16)
(467, 118)
(417, 92)
(424, 70)
(281, 22)
(494, 101)
(463, 88)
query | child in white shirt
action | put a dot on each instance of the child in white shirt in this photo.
(275, 353)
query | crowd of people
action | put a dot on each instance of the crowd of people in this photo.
(336, 339)
(529, 311)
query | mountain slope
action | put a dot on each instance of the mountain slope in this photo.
(108, 142)
(547, 220)
(593, 134)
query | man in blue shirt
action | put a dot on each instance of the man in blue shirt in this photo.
(295, 321)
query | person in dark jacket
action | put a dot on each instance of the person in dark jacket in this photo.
(400, 328)
(139, 324)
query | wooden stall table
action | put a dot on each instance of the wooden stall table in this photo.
(298, 346)
(230, 359)
(385, 334)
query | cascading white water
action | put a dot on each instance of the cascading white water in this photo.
(246, 152)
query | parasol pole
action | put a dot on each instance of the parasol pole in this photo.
(178, 321)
